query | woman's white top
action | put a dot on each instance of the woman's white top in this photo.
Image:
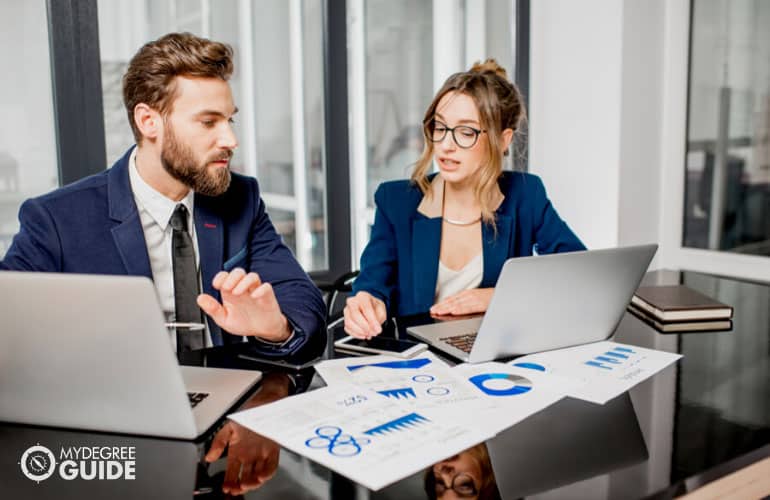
(450, 282)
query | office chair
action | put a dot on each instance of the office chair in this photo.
(335, 294)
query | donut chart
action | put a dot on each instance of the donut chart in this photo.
(518, 385)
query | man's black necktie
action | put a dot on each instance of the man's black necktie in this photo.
(185, 283)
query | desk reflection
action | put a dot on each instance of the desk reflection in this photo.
(468, 474)
(40, 462)
(162, 468)
(567, 442)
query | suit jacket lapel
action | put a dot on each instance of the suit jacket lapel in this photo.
(209, 229)
(495, 248)
(128, 234)
(426, 245)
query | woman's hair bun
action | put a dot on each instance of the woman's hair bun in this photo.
(489, 66)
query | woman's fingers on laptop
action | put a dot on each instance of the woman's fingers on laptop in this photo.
(465, 302)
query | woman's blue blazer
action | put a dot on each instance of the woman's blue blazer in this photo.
(400, 263)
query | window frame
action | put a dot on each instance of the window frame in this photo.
(76, 76)
(676, 72)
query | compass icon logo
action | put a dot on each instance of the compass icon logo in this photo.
(38, 463)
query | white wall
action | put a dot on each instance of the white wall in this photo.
(641, 118)
(575, 102)
(596, 100)
(608, 128)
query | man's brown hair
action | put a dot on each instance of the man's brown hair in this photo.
(149, 78)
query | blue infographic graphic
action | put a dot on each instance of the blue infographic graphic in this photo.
(437, 391)
(531, 366)
(404, 392)
(519, 385)
(395, 365)
(423, 378)
(335, 442)
(399, 424)
(612, 358)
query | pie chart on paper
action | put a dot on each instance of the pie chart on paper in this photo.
(501, 384)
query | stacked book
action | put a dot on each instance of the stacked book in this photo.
(678, 308)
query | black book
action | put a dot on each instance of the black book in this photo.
(679, 303)
(681, 326)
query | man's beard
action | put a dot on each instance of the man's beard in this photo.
(179, 161)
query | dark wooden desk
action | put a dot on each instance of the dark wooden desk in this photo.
(700, 419)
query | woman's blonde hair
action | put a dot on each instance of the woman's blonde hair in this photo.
(500, 107)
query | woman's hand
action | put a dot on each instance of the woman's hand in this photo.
(364, 315)
(465, 302)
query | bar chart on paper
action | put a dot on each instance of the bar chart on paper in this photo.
(367, 438)
(599, 371)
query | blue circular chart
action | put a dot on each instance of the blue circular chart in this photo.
(518, 385)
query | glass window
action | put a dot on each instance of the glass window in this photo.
(28, 159)
(500, 17)
(393, 80)
(727, 197)
(277, 85)
(399, 86)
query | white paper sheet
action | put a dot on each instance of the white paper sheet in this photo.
(509, 394)
(423, 381)
(362, 435)
(600, 371)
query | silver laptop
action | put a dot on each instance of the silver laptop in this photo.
(546, 302)
(92, 352)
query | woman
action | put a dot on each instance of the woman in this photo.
(439, 241)
(468, 474)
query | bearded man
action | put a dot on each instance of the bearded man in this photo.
(171, 210)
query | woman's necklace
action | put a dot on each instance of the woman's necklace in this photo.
(451, 221)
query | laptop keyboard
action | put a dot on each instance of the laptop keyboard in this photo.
(196, 397)
(463, 342)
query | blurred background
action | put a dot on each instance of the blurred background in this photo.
(649, 121)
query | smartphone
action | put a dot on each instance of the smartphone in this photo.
(380, 345)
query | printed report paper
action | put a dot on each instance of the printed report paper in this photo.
(423, 381)
(509, 394)
(363, 435)
(599, 371)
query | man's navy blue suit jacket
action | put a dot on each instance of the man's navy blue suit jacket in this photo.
(400, 263)
(92, 226)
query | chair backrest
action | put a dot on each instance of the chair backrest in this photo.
(335, 294)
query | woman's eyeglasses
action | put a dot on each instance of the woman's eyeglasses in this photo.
(462, 484)
(463, 135)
